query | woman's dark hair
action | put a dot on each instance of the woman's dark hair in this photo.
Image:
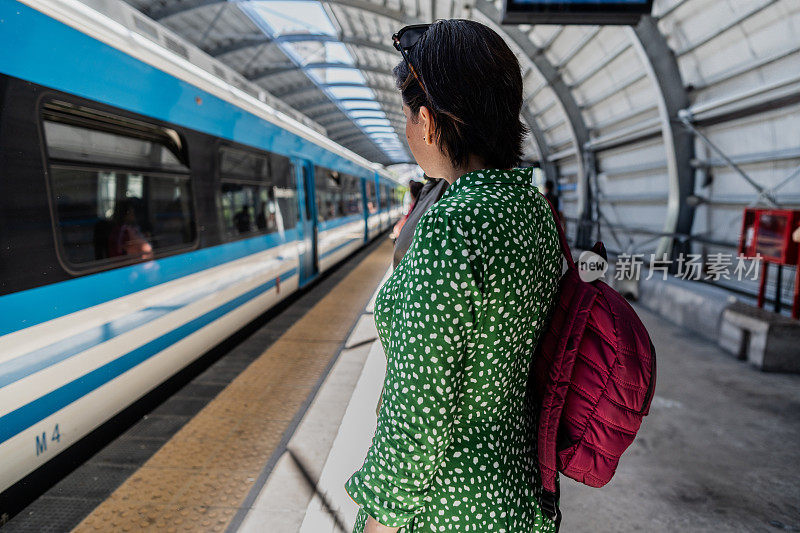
(475, 87)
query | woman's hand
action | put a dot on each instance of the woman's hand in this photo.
(373, 526)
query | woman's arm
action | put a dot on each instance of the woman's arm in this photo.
(431, 328)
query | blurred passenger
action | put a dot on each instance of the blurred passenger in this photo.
(431, 192)
(261, 218)
(552, 197)
(414, 187)
(460, 316)
(242, 220)
(126, 237)
(549, 193)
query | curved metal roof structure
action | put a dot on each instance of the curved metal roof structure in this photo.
(657, 134)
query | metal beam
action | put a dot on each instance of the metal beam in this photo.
(258, 39)
(274, 70)
(578, 129)
(350, 137)
(662, 68)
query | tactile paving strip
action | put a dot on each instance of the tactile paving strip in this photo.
(198, 480)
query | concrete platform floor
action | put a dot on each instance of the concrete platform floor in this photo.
(720, 450)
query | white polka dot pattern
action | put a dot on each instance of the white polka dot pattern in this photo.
(455, 446)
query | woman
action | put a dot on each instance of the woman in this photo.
(460, 317)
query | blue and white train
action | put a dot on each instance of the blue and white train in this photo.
(148, 211)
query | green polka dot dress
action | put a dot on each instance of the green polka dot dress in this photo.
(455, 446)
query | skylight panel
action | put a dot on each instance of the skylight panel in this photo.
(339, 93)
(338, 53)
(360, 104)
(294, 17)
(366, 113)
(336, 75)
(373, 122)
(378, 129)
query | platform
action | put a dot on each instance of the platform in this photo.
(272, 450)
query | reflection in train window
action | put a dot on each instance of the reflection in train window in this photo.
(121, 191)
(384, 197)
(328, 193)
(338, 194)
(351, 196)
(257, 194)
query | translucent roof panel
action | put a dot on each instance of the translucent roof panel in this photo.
(336, 75)
(360, 105)
(365, 113)
(329, 64)
(292, 17)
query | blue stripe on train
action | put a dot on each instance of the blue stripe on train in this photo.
(24, 417)
(341, 221)
(340, 246)
(55, 55)
(27, 308)
(29, 363)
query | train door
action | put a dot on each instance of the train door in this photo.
(308, 221)
(364, 207)
(379, 202)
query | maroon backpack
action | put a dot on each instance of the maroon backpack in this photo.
(593, 377)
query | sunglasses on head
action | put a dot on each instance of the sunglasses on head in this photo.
(404, 40)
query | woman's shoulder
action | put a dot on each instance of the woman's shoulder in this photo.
(449, 212)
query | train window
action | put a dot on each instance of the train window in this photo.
(257, 194)
(121, 188)
(284, 186)
(351, 196)
(328, 185)
(79, 144)
(245, 165)
(372, 199)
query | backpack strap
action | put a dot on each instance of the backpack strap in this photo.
(561, 237)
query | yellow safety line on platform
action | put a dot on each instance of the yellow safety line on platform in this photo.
(200, 477)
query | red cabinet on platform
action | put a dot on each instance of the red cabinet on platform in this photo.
(768, 233)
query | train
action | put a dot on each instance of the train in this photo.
(149, 210)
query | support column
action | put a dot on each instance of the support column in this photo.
(662, 69)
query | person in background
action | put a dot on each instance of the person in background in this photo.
(549, 193)
(552, 197)
(242, 220)
(431, 192)
(126, 236)
(414, 187)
